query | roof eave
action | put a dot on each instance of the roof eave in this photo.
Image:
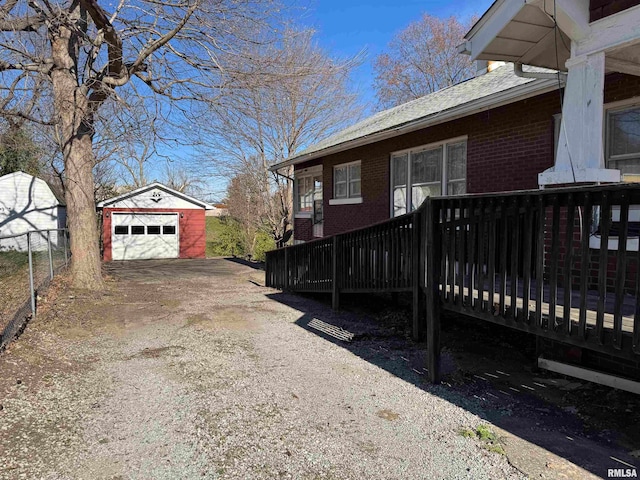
(137, 191)
(522, 92)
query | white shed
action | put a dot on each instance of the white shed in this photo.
(27, 203)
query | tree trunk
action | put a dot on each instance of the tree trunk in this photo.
(75, 121)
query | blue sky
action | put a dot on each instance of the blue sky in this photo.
(345, 27)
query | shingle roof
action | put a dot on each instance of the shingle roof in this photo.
(497, 81)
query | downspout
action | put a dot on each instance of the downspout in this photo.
(517, 69)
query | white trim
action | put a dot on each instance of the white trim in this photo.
(614, 31)
(590, 375)
(430, 146)
(347, 181)
(138, 191)
(305, 172)
(620, 104)
(345, 201)
(613, 107)
(499, 99)
(299, 174)
(408, 186)
(490, 25)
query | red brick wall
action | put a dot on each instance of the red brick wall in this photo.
(506, 149)
(192, 230)
(303, 229)
(603, 8)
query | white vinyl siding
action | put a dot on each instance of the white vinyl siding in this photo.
(27, 204)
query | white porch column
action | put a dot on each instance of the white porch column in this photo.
(580, 154)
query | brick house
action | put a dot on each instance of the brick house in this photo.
(494, 132)
(502, 130)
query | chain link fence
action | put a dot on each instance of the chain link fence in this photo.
(28, 263)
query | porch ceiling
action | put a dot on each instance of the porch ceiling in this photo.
(625, 60)
(530, 38)
(525, 32)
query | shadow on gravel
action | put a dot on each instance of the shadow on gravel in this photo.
(246, 263)
(386, 344)
(153, 270)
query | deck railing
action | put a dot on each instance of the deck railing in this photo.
(559, 263)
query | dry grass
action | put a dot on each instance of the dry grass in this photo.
(14, 283)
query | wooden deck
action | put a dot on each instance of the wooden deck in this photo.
(628, 306)
(463, 254)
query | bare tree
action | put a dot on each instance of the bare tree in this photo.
(292, 95)
(181, 179)
(244, 196)
(81, 55)
(421, 59)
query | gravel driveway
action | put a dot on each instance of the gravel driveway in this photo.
(192, 369)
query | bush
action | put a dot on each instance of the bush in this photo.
(264, 243)
(224, 237)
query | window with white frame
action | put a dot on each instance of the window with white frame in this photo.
(347, 181)
(308, 189)
(432, 170)
(622, 152)
(622, 141)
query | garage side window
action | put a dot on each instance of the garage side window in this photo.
(137, 230)
(121, 230)
(169, 230)
(153, 230)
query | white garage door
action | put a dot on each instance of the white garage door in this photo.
(140, 236)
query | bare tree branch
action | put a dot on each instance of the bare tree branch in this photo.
(421, 59)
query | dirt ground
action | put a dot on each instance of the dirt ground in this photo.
(193, 369)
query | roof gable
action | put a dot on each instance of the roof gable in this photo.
(21, 183)
(154, 195)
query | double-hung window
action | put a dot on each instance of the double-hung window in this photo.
(432, 170)
(622, 152)
(347, 183)
(622, 142)
(307, 189)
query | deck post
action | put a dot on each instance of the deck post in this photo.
(335, 284)
(417, 256)
(431, 251)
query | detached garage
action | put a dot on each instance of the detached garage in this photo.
(154, 221)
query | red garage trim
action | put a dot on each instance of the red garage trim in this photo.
(191, 224)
